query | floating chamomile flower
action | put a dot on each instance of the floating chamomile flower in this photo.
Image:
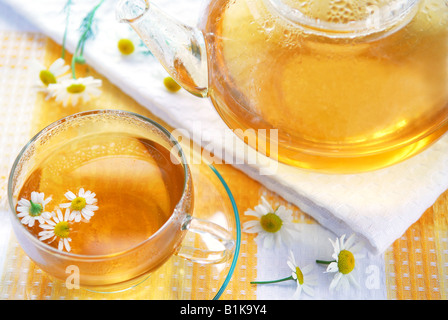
(46, 76)
(74, 89)
(274, 227)
(33, 209)
(303, 277)
(82, 205)
(345, 255)
(57, 227)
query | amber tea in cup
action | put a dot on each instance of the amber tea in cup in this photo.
(109, 192)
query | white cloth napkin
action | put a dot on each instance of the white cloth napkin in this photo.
(379, 206)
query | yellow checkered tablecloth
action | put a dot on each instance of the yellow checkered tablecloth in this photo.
(415, 265)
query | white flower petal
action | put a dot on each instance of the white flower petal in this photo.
(24, 203)
(61, 245)
(47, 201)
(94, 91)
(46, 215)
(253, 213)
(298, 292)
(60, 216)
(307, 269)
(261, 210)
(40, 219)
(309, 290)
(87, 194)
(59, 67)
(47, 226)
(291, 266)
(77, 216)
(34, 197)
(335, 246)
(250, 224)
(75, 99)
(23, 210)
(91, 207)
(342, 242)
(67, 245)
(267, 204)
(45, 236)
(332, 267)
(87, 214)
(26, 219)
(268, 241)
(352, 280)
(334, 283)
(67, 215)
(70, 195)
(22, 214)
(350, 242)
(357, 247)
(335, 256)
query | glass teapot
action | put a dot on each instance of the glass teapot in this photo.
(346, 85)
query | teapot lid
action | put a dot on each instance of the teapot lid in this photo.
(346, 18)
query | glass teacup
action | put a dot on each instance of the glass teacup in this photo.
(107, 195)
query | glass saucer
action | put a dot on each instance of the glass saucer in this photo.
(177, 279)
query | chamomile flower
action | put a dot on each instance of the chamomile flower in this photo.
(274, 227)
(75, 89)
(57, 227)
(171, 85)
(126, 45)
(46, 76)
(345, 255)
(82, 205)
(303, 277)
(33, 209)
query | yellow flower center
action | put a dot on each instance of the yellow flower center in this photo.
(171, 85)
(271, 222)
(47, 77)
(299, 275)
(346, 262)
(76, 88)
(78, 203)
(125, 46)
(62, 229)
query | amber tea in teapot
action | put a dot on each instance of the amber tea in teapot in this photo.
(350, 85)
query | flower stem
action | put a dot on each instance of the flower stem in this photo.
(66, 7)
(325, 262)
(87, 27)
(272, 281)
(73, 67)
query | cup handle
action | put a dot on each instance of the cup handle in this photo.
(221, 237)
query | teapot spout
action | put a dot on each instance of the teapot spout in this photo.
(179, 48)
